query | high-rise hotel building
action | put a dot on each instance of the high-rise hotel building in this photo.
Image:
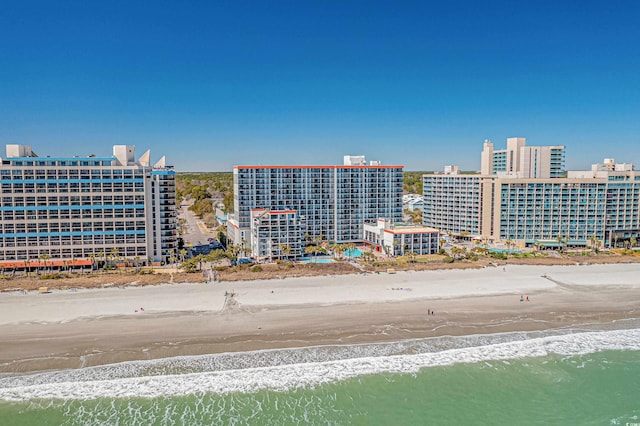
(521, 161)
(83, 207)
(538, 204)
(333, 202)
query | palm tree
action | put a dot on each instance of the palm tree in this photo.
(349, 248)
(368, 256)
(243, 247)
(592, 241)
(334, 249)
(338, 249)
(115, 254)
(44, 257)
(509, 243)
(396, 247)
(311, 250)
(285, 249)
(633, 241)
(458, 252)
(103, 255)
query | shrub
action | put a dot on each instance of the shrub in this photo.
(256, 268)
(496, 255)
(53, 276)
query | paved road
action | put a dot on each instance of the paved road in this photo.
(195, 232)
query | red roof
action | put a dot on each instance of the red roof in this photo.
(318, 167)
(45, 263)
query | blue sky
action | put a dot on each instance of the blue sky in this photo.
(422, 84)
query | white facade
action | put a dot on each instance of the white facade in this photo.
(412, 202)
(354, 160)
(601, 204)
(85, 207)
(452, 203)
(334, 201)
(603, 170)
(451, 170)
(276, 234)
(399, 239)
(521, 161)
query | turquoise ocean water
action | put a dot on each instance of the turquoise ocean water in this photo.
(577, 376)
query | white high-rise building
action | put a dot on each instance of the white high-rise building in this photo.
(333, 201)
(521, 161)
(76, 207)
(542, 208)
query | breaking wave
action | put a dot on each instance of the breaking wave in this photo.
(287, 369)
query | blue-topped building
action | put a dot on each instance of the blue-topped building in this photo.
(86, 207)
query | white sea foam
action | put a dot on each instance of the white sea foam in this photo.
(287, 376)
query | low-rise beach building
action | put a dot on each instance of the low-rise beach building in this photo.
(412, 202)
(395, 239)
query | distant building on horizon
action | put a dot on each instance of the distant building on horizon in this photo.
(75, 208)
(521, 161)
(333, 202)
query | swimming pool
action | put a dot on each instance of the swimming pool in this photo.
(319, 260)
(353, 253)
(509, 251)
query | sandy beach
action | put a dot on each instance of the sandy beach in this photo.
(84, 327)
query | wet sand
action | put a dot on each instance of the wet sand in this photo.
(72, 329)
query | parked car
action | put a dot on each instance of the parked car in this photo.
(243, 261)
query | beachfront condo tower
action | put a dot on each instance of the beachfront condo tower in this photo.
(331, 202)
(80, 208)
(521, 161)
(534, 204)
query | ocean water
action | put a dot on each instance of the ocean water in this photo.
(578, 376)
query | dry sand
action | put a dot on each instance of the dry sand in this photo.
(70, 329)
